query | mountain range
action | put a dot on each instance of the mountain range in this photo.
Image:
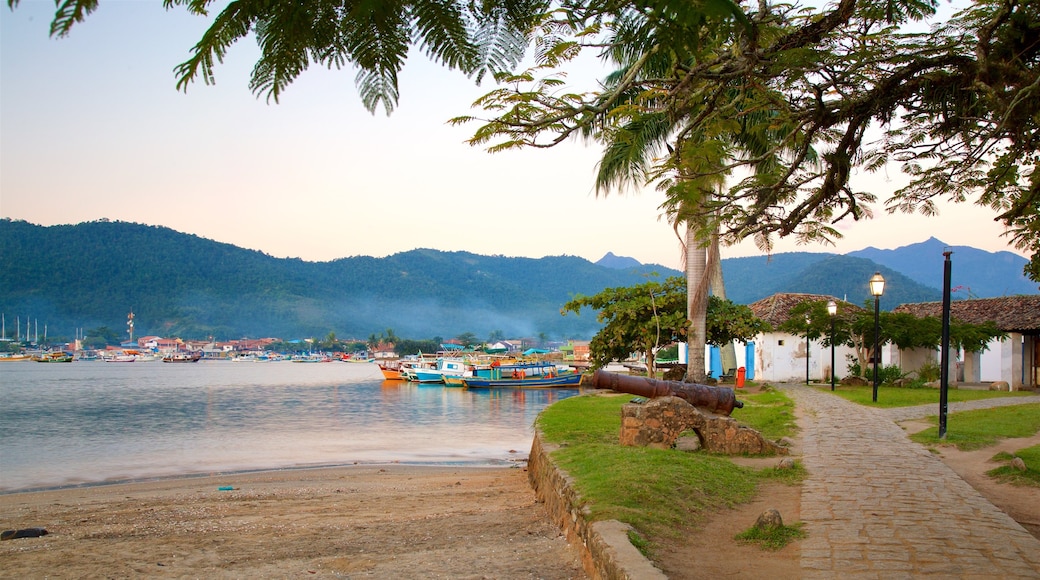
(68, 278)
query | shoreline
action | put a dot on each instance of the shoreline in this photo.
(519, 462)
(380, 520)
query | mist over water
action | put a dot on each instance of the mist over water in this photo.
(92, 422)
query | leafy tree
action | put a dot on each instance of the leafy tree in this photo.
(101, 337)
(496, 336)
(638, 318)
(404, 346)
(647, 317)
(728, 321)
(957, 107)
(855, 327)
(467, 339)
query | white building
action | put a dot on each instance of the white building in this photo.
(784, 357)
(1014, 360)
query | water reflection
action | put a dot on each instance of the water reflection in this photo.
(84, 422)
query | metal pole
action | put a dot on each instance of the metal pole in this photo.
(877, 343)
(807, 351)
(944, 370)
(832, 352)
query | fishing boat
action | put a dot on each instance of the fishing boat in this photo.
(568, 379)
(14, 357)
(182, 357)
(443, 367)
(53, 357)
(455, 381)
(391, 370)
(120, 358)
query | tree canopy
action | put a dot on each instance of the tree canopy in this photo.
(790, 101)
(793, 101)
(646, 317)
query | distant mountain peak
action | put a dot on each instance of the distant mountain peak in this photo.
(618, 262)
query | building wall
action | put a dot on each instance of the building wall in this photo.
(780, 357)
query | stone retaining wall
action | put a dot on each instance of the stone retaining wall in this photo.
(604, 548)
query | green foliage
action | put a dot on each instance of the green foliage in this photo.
(69, 277)
(1007, 474)
(772, 537)
(728, 322)
(373, 37)
(697, 97)
(969, 430)
(635, 319)
(651, 315)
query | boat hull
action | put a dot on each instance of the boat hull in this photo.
(569, 380)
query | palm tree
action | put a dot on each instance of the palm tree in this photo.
(666, 114)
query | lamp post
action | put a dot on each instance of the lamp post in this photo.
(808, 322)
(877, 288)
(832, 309)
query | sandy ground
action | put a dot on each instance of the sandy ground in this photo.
(391, 521)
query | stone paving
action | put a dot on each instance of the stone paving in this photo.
(877, 505)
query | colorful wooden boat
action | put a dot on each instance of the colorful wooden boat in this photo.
(548, 381)
(53, 357)
(391, 371)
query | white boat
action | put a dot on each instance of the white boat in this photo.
(444, 366)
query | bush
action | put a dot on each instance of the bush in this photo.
(886, 374)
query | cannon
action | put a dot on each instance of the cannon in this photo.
(720, 400)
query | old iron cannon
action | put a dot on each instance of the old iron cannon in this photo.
(720, 400)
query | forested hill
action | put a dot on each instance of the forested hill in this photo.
(92, 274)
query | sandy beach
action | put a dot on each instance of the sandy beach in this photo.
(387, 521)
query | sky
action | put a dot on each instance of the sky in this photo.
(92, 127)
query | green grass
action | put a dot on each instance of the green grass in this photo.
(889, 397)
(983, 427)
(660, 492)
(772, 538)
(1008, 474)
(770, 412)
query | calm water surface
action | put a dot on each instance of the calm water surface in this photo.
(91, 422)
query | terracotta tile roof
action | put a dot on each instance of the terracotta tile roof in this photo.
(776, 309)
(1009, 313)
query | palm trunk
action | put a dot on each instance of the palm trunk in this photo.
(697, 305)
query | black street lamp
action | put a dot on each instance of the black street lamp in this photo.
(832, 309)
(808, 322)
(877, 288)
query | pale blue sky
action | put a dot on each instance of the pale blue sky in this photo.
(92, 127)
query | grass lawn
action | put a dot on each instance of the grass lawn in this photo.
(660, 492)
(1008, 474)
(904, 397)
(983, 427)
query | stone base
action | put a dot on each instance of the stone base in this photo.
(659, 424)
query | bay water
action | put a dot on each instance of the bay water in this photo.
(85, 423)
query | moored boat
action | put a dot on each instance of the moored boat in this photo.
(391, 370)
(182, 357)
(568, 379)
(444, 367)
(53, 357)
(15, 358)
